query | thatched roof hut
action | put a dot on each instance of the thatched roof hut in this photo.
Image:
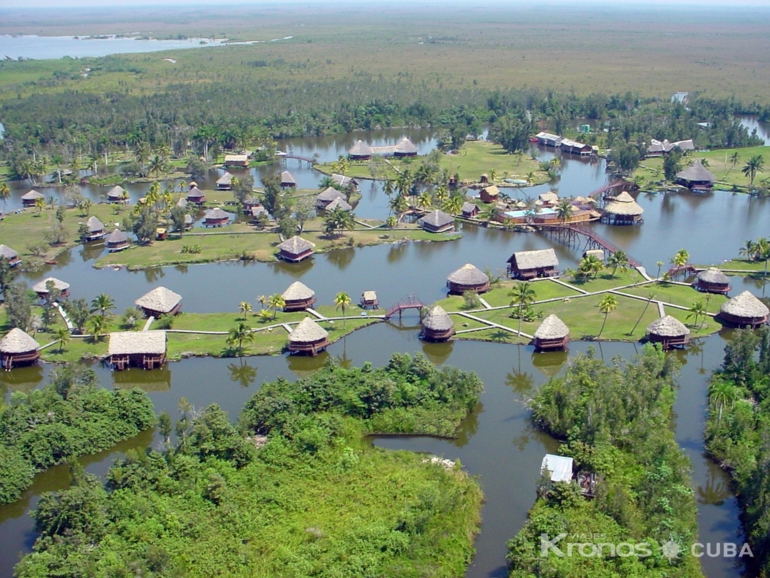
(41, 288)
(369, 299)
(360, 151)
(160, 301)
(668, 331)
(30, 198)
(182, 203)
(117, 241)
(744, 310)
(298, 297)
(18, 348)
(10, 255)
(531, 264)
(437, 325)
(549, 199)
(469, 210)
(308, 337)
(95, 229)
(196, 196)
(696, 177)
(116, 194)
(712, 280)
(339, 203)
(467, 278)
(287, 179)
(225, 182)
(405, 148)
(326, 196)
(622, 210)
(489, 194)
(552, 335)
(236, 161)
(295, 249)
(216, 217)
(145, 349)
(437, 222)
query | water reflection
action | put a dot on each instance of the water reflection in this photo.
(304, 365)
(146, 380)
(438, 353)
(341, 258)
(549, 363)
(242, 372)
(21, 379)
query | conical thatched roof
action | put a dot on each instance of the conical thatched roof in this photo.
(745, 305)
(297, 291)
(468, 274)
(406, 147)
(94, 225)
(696, 172)
(339, 203)
(216, 214)
(667, 327)
(468, 207)
(624, 204)
(115, 192)
(287, 178)
(552, 328)
(491, 190)
(117, 236)
(195, 193)
(308, 331)
(713, 275)
(32, 195)
(137, 342)
(360, 149)
(329, 194)
(42, 286)
(159, 299)
(182, 203)
(7, 253)
(550, 197)
(296, 245)
(225, 179)
(437, 319)
(17, 341)
(437, 218)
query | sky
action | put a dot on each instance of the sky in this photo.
(40, 4)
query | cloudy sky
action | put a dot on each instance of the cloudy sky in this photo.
(136, 3)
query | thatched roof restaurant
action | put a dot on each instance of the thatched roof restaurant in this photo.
(145, 349)
(288, 180)
(17, 348)
(195, 196)
(467, 278)
(9, 255)
(669, 332)
(216, 217)
(744, 310)
(41, 288)
(295, 249)
(712, 280)
(308, 337)
(30, 198)
(116, 194)
(489, 194)
(159, 301)
(117, 241)
(95, 229)
(225, 182)
(531, 264)
(298, 297)
(437, 222)
(552, 335)
(696, 177)
(326, 196)
(405, 148)
(341, 204)
(622, 210)
(360, 151)
(236, 161)
(437, 325)
(369, 299)
(469, 210)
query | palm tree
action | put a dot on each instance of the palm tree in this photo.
(454, 204)
(62, 337)
(618, 260)
(607, 305)
(722, 393)
(681, 258)
(276, 302)
(650, 297)
(748, 250)
(239, 334)
(523, 295)
(734, 158)
(262, 300)
(564, 210)
(753, 166)
(39, 205)
(5, 193)
(97, 326)
(244, 308)
(442, 194)
(85, 207)
(102, 303)
(391, 223)
(696, 310)
(157, 165)
(590, 265)
(424, 201)
(339, 220)
(341, 301)
(763, 251)
(659, 264)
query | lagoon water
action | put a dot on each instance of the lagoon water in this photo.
(497, 442)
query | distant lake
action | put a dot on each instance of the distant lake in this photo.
(48, 47)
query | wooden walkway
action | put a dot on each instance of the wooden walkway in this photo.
(573, 233)
(300, 158)
(606, 188)
(409, 302)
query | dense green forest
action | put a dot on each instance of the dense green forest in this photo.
(71, 416)
(616, 422)
(294, 490)
(738, 433)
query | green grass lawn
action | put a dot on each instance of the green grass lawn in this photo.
(749, 266)
(606, 280)
(678, 295)
(495, 335)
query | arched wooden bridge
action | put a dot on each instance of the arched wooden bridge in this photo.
(408, 302)
(573, 234)
(600, 192)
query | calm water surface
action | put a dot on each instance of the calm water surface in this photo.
(496, 442)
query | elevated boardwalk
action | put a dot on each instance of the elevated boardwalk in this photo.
(409, 302)
(600, 192)
(300, 158)
(573, 234)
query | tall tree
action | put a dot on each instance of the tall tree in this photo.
(607, 305)
(753, 166)
(102, 304)
(239, 335)
(341, 301)
(523, 295)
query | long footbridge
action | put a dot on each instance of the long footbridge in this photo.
(408, 302)
(300, 158)
(574, 234)
(601, 191)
